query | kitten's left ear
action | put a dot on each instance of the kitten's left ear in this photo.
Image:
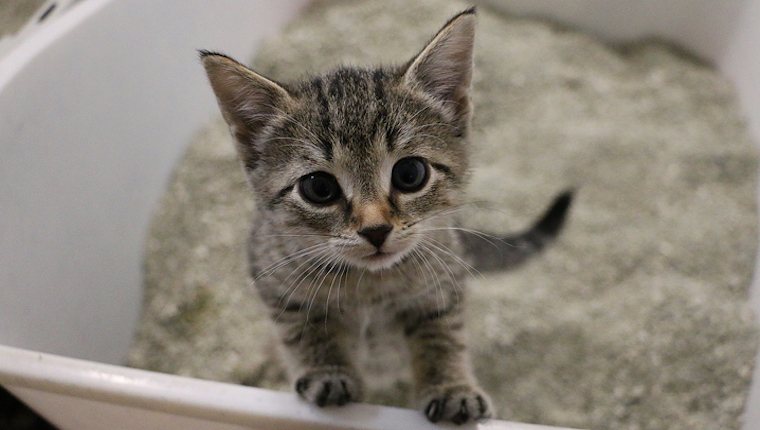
(248, 101)
(444, 67)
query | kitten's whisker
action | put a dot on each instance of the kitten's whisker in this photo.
(453, 255)
(305, 253)
(444, 211)
(414, 255)
(491, 239)
(416, 114)
(306, 274)
(452, 276)
(453, 280)
(433, 273)
(337, 268)
(300, 278)
(308, 260)
(416, 263)
(324, 271)
(308, 320)
(343, 273)
(329, 236)
(359, 281)
(269, 270)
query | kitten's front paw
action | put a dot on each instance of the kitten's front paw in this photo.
(458, 404)
(328, 387)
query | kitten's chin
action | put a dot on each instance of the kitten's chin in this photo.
(380, 260)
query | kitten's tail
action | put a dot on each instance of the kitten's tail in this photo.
(487, 253)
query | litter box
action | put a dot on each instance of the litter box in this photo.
(98, 98)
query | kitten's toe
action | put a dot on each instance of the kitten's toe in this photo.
(326, 388)
(458, 404)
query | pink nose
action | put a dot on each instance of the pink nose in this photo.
(376, 234)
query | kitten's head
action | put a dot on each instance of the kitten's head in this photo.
(361, 162)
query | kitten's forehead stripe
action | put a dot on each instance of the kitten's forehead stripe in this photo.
(324, 115)
(378, 79)
(336, 88)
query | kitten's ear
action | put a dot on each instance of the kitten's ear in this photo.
(444, 67)
(248, 101)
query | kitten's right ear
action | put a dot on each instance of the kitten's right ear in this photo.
(248, 101)
(444, 67)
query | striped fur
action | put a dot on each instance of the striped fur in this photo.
(382, 250)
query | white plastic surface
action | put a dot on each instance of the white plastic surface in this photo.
(95, 108)
(79, 394)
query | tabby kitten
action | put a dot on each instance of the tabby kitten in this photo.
(358, 174)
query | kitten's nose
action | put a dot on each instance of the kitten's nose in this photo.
(376, 234)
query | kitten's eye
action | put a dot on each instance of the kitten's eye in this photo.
(319, 188)
(409, 175)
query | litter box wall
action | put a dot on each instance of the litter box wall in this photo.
(723, 32)
(95, 107)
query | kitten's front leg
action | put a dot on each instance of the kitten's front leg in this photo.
(318, 362)
(446, 388)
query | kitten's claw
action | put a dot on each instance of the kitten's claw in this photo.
(458, 404)
(327, 388)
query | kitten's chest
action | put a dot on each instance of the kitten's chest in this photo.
(367, 321)
(378, 293)
(380, 350)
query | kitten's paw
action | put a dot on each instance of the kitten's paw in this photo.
(458, 404)
(328, 387)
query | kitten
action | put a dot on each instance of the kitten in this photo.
(358, 175)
